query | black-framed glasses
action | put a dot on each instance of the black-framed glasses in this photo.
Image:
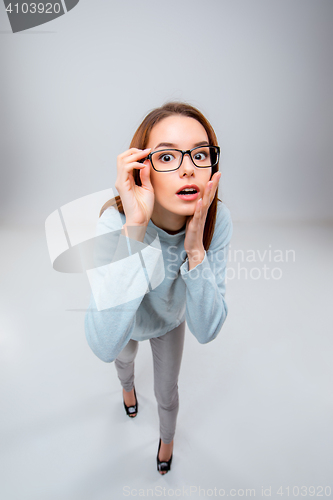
(166, 160)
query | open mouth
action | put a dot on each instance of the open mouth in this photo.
(188, 193)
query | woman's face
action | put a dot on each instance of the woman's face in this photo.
(177, 132)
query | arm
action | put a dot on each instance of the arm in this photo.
(206, 308)
(119, 282)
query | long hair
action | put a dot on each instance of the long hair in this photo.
(140, 141)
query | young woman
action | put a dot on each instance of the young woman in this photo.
(164, 258)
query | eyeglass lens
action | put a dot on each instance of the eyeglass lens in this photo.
(204, 156)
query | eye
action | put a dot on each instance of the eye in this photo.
(166, 157)
(200, 155)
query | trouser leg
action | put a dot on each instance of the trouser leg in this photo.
(124, 364)
(167, 355)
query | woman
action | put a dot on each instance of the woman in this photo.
(168, 238)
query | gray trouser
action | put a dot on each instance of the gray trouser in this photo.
(167, 355)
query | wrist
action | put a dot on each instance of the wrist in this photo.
(134, 231)
(134, 224)
(195, 257)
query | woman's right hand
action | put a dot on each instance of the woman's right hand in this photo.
(137, 201)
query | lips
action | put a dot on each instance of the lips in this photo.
(188, 186)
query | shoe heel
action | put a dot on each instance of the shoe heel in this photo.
(163, 466)
(132, 409)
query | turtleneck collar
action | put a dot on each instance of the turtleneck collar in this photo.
(163, 235)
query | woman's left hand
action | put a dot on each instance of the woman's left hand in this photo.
(195, 225)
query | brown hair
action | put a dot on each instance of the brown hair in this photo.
(140, 141)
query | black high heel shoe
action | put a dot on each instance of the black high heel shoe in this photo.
(130, 410)
(163, 466)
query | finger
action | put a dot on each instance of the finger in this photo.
(198, 215)
(131, 151)
(125, 169)
(197, 208)
(216, 180)
(207, 194)
(125, 164)
(145, 176)
(135, 156)
(210, 189)
(125, 172)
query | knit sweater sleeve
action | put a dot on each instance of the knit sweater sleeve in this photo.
(119, 281)
(206, 308)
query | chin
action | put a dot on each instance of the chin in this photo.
(190, 211)
(186, 210)
(182, 209)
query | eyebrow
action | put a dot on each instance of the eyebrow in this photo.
(171, 145)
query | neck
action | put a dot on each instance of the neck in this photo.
(168, 221)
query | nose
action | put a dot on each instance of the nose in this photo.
(187, 166)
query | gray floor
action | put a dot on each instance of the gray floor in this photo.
(256, 404)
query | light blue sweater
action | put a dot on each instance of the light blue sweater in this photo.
(145, 289)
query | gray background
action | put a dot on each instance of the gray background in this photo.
(74, 90)
(256, 403)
